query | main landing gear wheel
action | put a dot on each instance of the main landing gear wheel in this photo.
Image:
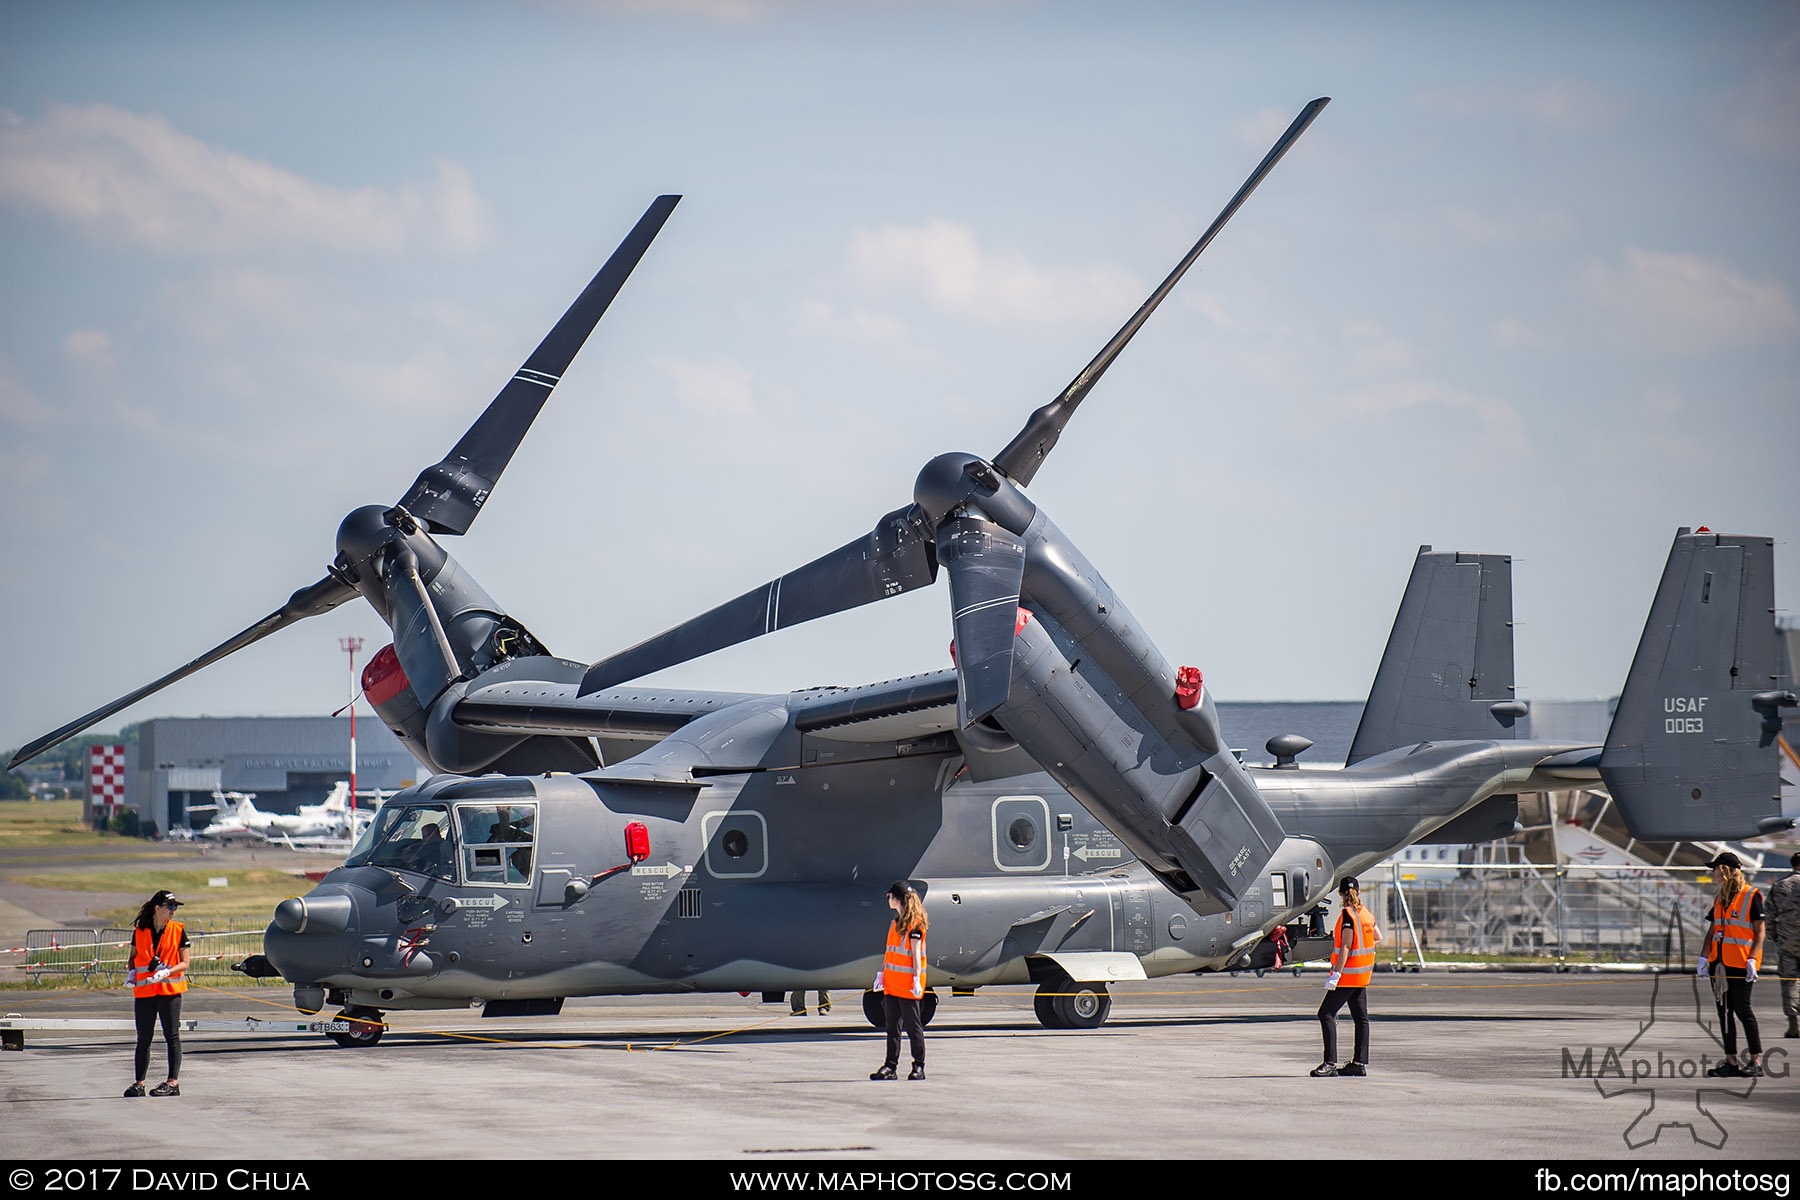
(365, 1030)
(875, 1012)
(1064, 1004)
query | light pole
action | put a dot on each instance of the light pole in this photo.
(351, 645)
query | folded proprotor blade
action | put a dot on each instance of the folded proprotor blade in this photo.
(448, 495)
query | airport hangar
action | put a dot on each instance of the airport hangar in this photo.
(178, 763)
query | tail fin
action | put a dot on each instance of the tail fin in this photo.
(1447, 673)
(1692, 752)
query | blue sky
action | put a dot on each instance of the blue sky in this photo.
(1527, 286)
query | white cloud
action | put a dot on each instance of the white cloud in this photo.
(1446, 415)
(1689, 303)
(1570, 106)
(90, 348)
(942, 263)
(20, 407)
(1513, 227)
(816, 318)
(712, 389)
(1514, 333)
(1760, 116)
(1376, 350)
(134, 178)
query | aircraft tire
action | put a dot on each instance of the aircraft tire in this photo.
(1083, 1005)
(1045, 1007)
(368, 1030)
(927, 1008)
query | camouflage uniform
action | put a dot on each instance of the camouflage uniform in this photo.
(1784, 931)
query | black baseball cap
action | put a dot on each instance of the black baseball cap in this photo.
(164, 899)
(1726, 859)
(1348, 882)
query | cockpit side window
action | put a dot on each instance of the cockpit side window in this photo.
(416, 838)
(497, 842)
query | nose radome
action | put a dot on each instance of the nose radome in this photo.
(314, 914)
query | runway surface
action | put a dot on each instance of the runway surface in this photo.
(1465, 1065)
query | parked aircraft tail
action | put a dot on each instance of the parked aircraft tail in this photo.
(1447, 672)
(1693, 749)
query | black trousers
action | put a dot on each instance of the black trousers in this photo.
(1358, 1000)
(1737, 1004)
(149, 1010)
(904, 1012)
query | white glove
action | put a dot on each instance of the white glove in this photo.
(161, 974)
(1750, 971)
(1700, 967)
(876, 986)
(918, 991)
(1331, 980)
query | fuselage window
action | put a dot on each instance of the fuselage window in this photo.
(497, 841)
(1022, 833)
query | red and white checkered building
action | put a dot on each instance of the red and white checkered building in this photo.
(106, 777)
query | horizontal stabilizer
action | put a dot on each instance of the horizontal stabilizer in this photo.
(1693, 750)
(1447, 672)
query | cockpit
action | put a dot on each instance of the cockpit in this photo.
(477, 842)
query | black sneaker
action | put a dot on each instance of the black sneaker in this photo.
(136, 1089)
(884, 1073)
(1354, 1068)
(1724, 1069)
(1324, 1071)
(1753, 1071)
(166, 1089)
(918, 1071)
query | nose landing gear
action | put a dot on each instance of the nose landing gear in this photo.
(366, 1026)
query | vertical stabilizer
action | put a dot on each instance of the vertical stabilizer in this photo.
(1447, 673)
(1692, 752)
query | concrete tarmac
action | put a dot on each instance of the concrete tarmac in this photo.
(1465, 1065)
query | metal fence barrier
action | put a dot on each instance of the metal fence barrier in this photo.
(1648, 916)
(100, 955)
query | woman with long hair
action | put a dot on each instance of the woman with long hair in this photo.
(157, 974)
(901, 981)
(1730, 957)
(1353, 944)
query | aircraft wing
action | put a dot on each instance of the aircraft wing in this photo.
(623, 720)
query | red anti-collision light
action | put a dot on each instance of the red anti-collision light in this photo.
(1189, 687)
(637, 842)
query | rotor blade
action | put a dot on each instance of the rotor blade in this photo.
(1026, 452)
(895, 557)
(447, 496)
(309, 601)
(986, 565)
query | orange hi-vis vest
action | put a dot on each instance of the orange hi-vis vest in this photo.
(146, 944)
(1732, 933)
(897, 975)
(1356, 961)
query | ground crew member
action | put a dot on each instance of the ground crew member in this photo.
(1353, 943)
(1733, 949)
(1784, 931)
(902, 979)
(157, 975)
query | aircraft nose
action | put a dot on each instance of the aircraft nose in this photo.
(328, 913)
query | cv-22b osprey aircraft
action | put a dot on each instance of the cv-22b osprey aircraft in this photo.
(1064, 796)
